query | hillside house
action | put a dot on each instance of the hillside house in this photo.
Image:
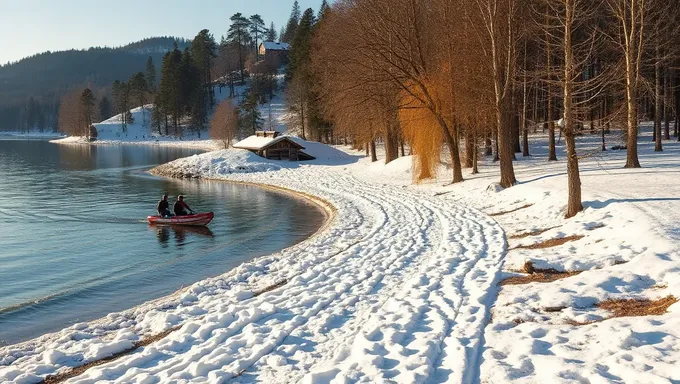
(275, 54)
(270, 145)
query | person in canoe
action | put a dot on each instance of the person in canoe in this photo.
(163, 207)
(181, 208)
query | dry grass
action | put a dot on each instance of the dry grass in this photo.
(637, 307)
(630, 308)
(550, 243)
(510, 211)
(538, 278)
(537, 275)
(534, 233)
(77, 371)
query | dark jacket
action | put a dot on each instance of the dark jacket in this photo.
(163, 205)
(181, 208)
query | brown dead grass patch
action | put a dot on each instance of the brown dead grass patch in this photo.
(537, 275)
(551, 243)
(77, 371)
(510, 211)
(637, 307)
(534, 233)
(538, 278)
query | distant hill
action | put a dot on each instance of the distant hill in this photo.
(44, 77)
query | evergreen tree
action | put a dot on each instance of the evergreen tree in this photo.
(282, 33)
(104, 108)
(257, 32)
(238, 36)
(87, 102)
(121, 101)
(300, 53)
(138, 90)
(151, 75)
(192, 91)
(170, 90)
(271, 32)
(251, 118)
(323, 10)
(293, 22)
(203, 51)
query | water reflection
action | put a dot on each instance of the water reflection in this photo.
(163, 233)
(75, 227)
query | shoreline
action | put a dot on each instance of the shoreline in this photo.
(327, 210)
(206, 145)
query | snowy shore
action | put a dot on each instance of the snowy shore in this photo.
(110, 132)
(402, 285)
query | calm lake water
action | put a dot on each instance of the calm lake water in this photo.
(74, 243)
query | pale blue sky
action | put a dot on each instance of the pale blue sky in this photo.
(32, 26)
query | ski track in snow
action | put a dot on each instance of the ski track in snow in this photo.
(398, 289)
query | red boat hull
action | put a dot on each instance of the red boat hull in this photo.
(197, 219)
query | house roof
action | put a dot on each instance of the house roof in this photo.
(272, 46)
(257, 143)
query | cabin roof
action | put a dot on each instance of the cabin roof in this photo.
(257, 143)
(272, 46)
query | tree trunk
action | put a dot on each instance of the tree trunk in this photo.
(374, 155)
(632, 74)
(392, 140)
(525, 99)
(452, 144)
(574, 204)
(475, 155)
(488, 145)
(552, 153)
(401, 144)
(658, 101)
(666, 104)
(505, 150)
(469, 145)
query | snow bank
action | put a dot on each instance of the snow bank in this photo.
(230, 161)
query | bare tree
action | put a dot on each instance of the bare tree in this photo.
(225, 122)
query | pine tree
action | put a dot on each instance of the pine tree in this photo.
(257, 32)
(300, 54)
(271, 33)
(251, 118)
(203, 51)
(293, 22)
(87, 102)
(170, 90)
(238, 36)
(323, 10)
(139, 89)
(150, 75)
(104, 108)
(192, 92)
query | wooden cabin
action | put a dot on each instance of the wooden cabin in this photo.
(270, 145)
(274, 54)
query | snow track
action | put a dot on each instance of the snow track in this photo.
(397, 289)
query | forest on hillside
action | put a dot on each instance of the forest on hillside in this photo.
(31, 88)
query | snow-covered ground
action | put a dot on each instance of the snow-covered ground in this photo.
(402, 284)
(140, 132)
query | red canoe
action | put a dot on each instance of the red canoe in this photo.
(197, 219)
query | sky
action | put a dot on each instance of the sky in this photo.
(28, 27)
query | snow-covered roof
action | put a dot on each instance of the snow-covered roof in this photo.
(270, 45)
(256, 143)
